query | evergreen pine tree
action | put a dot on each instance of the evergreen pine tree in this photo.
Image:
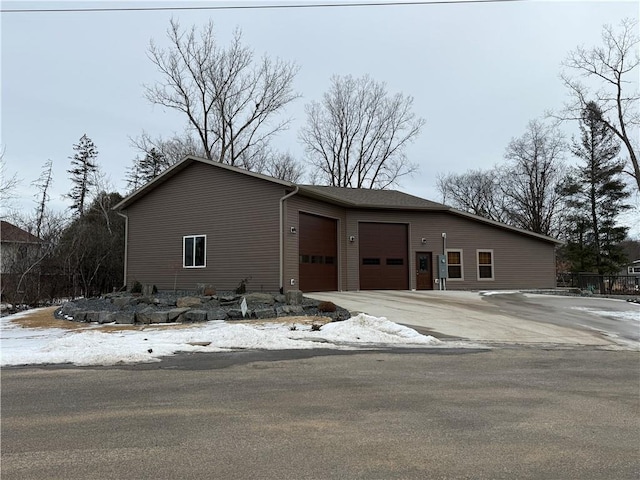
(146, 169)
(83, 170)
(595, 196)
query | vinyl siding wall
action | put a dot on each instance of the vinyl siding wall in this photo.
(519, 261)
(239, 215)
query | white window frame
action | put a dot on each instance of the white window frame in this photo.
(184, 245)
(493, 264)
(450, 279)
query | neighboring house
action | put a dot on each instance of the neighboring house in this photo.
(207, 223)
(16, 247)
(632, 269)
(19, 251)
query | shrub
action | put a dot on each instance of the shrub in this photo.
(137, 287)
(242, 286)
(315, 327)
(327, 307)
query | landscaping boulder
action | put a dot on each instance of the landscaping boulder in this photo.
(217, 314)
(151, 315)
(229, 300)
(263, 313)
(188, 302)
(195, 316)
(70, 309)
(259, 299)
(106, 317)
(174, 313)
(122, 302)
(294, 297)
(127, 318)
(289, 310)
(236, 314)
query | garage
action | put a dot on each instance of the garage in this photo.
(318, 253)
(384, 261)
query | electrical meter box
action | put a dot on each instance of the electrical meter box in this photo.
(442, 266)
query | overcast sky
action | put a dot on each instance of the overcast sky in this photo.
(478, 74)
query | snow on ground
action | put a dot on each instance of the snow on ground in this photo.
(626, 315)
(92, 346)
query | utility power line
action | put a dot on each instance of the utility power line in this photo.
(252, 7)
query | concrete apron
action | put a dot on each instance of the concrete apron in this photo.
(458, 314)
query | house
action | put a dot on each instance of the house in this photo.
(632, 269)
(16, 247)
(207, 223)
(19, 251)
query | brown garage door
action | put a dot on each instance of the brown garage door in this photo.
(384, 261)
(318, 253)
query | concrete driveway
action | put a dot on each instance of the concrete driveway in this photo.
(502, 318)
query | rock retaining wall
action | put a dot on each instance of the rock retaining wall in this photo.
(125, 308)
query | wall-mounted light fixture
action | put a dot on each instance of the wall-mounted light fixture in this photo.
(423, 240)
(293, 230)
(352, 238)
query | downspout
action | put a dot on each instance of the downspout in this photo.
(126, 245)
(290, 194)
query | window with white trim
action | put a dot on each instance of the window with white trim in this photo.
(194, 251)
(485, 264)
(454, 264)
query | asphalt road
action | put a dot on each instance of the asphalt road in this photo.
(527, 413)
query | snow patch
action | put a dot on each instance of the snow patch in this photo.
(88, 346)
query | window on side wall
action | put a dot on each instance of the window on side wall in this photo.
(454, 264)
(194, 251)
(485, 265)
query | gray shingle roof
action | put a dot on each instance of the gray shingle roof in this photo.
(368, 198)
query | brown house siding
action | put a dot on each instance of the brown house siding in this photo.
(239, 214)
(535, 269)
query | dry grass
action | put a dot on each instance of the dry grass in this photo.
(43, 318)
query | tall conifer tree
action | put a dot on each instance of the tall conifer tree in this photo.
(595, 195)
(83, 170)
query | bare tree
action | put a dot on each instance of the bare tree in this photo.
(8, 183)
(531, 178)
(475, 191)
(43, 184)
(285, 167)
(173, 149)
(357, 134)
(230, 99)
(610, 68)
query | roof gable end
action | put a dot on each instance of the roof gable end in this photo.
(185, 163)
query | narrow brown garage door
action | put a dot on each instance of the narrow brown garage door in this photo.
(318, 253)
(384, 261)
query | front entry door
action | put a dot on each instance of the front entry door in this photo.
(424, 275)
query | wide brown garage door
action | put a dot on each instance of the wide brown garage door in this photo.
(318, 253)
(384, 261)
